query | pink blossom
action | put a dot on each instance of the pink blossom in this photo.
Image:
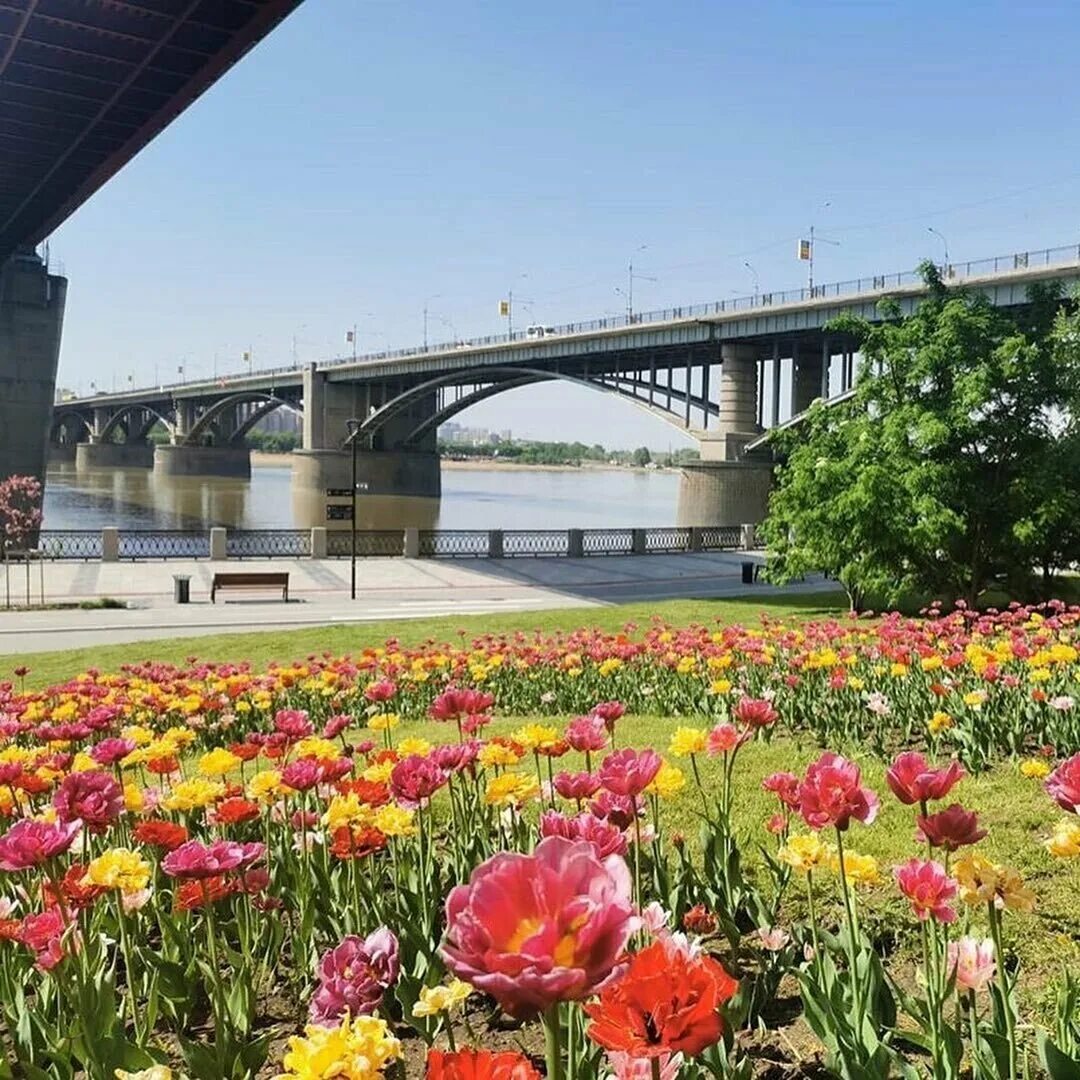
(929, 888)
(950, 829)
(110, 751)
(755, 712)
(43, 934)
(293, 724)
(453, 704)
(30, 843)
(381, 691)
(335, 726)
(414, 780)
(587, 734)
(654, 919)
(606, 839)
(773, 938)
(94, 798)
(626, 1067)
(973, 961)
(617, 810)
(195, 860)
(629, 772)
(1063, 785)
(576, 786)
(455, 757)
(724, 738)
(533, 930)
(353, 976)
(832, 794)
(302, 774)
(785, 786)
(913, 780)
(609, 712)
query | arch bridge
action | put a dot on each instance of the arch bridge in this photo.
(721, 373)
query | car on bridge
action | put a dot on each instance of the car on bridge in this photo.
(539, 331)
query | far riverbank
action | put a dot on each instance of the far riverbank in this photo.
(260, 459)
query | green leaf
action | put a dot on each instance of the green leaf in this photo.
(1057, 1064)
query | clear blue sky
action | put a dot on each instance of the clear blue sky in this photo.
(369, 155)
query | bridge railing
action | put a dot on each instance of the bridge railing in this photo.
(118, 545)
(875, 284)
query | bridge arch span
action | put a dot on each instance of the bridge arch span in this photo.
(145, 417)
(72, 424)
(489, 382)
(209, 423)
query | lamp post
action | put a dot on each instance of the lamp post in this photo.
(944, 242)
(352, 429)
(427, 301)
(757, 281)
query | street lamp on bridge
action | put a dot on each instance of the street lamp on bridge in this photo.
(352, 430)
(757, 280)
(945, 242)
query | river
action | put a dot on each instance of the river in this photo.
(471, 499)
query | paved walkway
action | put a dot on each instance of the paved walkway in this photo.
(386, 589)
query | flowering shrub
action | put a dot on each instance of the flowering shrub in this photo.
(194, 861)
(20, 510)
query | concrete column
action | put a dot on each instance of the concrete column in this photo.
(697, 540)
(100, 422)
(805, 381)
(31, 321)
(412, 543)
(495, 543)
(775, 383)
(575, 543)
(748, 537)
(110, 544)
(738, 390)
(723, 492)
(110, 455)
(637, 541)
(182, 459)
(318, 542)
(314, 394)
(218, 549)
(185, 419)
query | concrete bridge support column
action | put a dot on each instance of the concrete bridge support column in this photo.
(725, 488)
(382, 470)
(182, 459)
(110, 455)
(31, 321)
(806, 379)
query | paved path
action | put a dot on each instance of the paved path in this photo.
(387, 589)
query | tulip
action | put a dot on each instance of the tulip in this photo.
(913, 781)
(30, 843)
(950, 829)
(973, 962)
(534, 930)
(831, 794)
(929, 889)
(94, 798)
(353, 976)
(629, 772)
(1063, 785)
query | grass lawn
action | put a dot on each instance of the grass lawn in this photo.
(284, 645)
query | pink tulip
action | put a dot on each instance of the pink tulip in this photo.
(533, 930)
(43, 934)
(293, 724)
(929, 889)
(414, 780)
(30, 843)
(973, 961)
(302, 774)
(353, 977)
(455, 757)
(755, 712)
(196, 861)
(609, 712)
(626, 1067)
(587, 734)
(454, 704)
(335, 726)
(94, 798)
(577, 786)
(629, 772)
(724, 738)
(605, 838)
(785, 786)
(381, 691)
(110, 751)
(832, 794)
(950, 829)
(913, 780)
(1063, 785)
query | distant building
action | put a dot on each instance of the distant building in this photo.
(282, 420)
(64, 394)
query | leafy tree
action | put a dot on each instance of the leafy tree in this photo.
(641, 456)
(954, 463)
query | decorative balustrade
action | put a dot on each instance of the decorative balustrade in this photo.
(114, 545)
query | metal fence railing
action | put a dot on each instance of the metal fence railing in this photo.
(267, 543)
(218, 543)
(369, 542)
(70, 544)
(165, 544)
(535, 542)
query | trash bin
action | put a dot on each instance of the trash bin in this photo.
(748, 573)
(181, 588)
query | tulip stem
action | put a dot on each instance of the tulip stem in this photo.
(553, 1048)
(655, 1065)
(1003, 977)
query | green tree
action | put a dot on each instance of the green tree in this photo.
(953, 464)
(641, 456)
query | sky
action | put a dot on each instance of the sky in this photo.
(371, 159)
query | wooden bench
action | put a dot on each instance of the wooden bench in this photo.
(250, 581)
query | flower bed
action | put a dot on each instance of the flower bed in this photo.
(332, 868)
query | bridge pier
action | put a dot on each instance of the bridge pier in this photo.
(113, 455)
(181, 459)
(724, 487)
(31, 320)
